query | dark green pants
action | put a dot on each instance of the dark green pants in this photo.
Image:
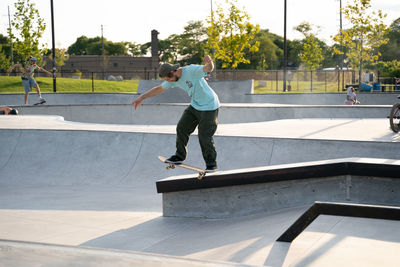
(207, 122)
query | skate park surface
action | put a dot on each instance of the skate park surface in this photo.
(76, 192)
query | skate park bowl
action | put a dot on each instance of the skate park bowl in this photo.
(86, 192)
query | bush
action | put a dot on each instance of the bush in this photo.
(389, 68)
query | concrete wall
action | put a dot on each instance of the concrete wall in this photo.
(164, 114)
(81, 157)
(267, 197)
(229, 94)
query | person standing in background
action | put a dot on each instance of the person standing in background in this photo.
(28, 70)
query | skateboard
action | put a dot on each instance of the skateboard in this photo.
(40, 103)
(200, 171)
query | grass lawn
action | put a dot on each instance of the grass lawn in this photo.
(267, 87)
(14, 85)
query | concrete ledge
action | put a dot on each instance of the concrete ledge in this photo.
(247, 191)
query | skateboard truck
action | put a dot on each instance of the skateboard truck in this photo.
(169, 166)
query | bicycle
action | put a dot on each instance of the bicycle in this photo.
(394, 116)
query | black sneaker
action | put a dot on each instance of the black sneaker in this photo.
(174, 160)
(211, 169)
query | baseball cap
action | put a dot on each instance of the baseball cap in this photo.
(33, 59)
(166, 68)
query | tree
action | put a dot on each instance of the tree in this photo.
(167, 49)
(391, 50)
(5, 52)
(366, 35)
(192, 43)
(61, 57)
(230, 34)
(27, 29)
(311, 54)
(135, 49)
(267, 55)
(93, 46)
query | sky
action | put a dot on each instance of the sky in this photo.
(133, 20)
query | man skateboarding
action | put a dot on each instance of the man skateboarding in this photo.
(202, 111)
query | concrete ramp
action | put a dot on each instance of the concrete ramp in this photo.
(61, 152)
(40, 151)
(14, 253)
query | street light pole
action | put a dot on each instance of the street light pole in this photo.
(214, 73)
(54, 48)
(284, 48)
(11, 42)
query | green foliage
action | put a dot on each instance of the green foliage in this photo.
(186, 48)
(391, 50)
(192, 43)
(4, 60)
(389, 68)
(27, 29)
(311, 54)
(366, 35)
(168, 49)
(267, 55)
(134, 49)
(5, 52)
(230, 34)
(61, 56)
(93, 46)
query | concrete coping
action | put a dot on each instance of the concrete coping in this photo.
(388, 168)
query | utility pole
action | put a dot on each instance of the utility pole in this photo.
(214, 73)
(341, 45)
(102, 53)
(11, 45)
(53, 48)
(284, 48)
(102, 41)
(341, 39)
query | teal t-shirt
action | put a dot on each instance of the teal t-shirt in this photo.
(192, 81)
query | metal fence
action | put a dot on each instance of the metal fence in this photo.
(264, 81)
(296, 80)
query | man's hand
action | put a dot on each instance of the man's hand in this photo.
(209, 66)
(137, 102)
(207, 59)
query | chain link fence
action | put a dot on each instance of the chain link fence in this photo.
(268, 81)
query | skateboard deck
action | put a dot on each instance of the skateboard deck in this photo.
(200, 171)
(39, 103)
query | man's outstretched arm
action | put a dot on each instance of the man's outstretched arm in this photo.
(152, 92)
